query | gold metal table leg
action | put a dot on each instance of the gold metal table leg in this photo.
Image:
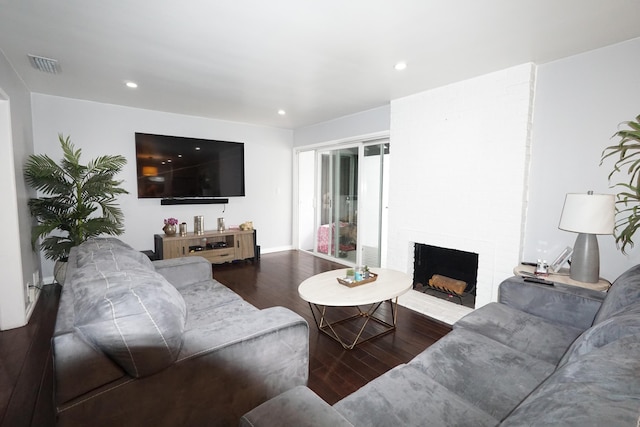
(328, 327)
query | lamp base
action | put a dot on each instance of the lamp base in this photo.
(585, 260)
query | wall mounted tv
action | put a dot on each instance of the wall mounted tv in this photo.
(191, 169)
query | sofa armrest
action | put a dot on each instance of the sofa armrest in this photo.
(299, 407)
(248, 358)
(569, 305)
(184, 271)
(221, 373)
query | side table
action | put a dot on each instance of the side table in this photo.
(562, 276)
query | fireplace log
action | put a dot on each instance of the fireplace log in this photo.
(447, 284)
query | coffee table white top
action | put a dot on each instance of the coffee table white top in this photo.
(324, 289)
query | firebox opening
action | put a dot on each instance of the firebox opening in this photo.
(445, 273)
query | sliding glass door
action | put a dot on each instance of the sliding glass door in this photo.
(373, 191)
(338, 192)
(349, 202)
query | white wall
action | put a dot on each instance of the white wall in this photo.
(579, 103)
(306, 200)
(366, 122)
(459, 170)
(109, 129)
(19, 262)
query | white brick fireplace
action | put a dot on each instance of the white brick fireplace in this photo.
(458, 177)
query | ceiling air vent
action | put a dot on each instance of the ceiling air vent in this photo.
(47, 65)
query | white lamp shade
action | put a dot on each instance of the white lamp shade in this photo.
(588, 213)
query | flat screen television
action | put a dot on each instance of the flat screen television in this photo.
(171, 167)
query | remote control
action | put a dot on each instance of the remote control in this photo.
(538, 280)
(527, 274)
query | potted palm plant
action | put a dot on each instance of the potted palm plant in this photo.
(78, 201)
(627, 155)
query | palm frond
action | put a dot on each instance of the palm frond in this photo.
(80, 198)
(627, 155)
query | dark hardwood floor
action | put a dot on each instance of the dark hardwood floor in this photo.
(26, 371)
(26, 377)
(333, 372)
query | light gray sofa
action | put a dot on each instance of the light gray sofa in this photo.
(141, 343)
(541, 356)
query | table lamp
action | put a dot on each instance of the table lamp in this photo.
(587, 214)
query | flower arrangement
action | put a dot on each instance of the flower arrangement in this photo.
(170, 221)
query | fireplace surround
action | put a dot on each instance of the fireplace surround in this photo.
(459, 178)
(451, 266)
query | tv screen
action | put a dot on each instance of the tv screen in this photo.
(179, 167)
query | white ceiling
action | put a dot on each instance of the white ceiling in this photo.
(243, 60)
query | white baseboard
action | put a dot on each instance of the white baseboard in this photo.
(275, 249)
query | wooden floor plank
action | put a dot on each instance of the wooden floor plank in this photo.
(31, 394)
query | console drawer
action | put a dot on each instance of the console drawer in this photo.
(217, 256)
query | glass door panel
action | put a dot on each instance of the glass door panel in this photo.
(337, 232)
(372, 202)
(342, 200)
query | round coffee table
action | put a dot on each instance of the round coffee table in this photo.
(323, 291)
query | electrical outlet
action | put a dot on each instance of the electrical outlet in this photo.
(28, 293)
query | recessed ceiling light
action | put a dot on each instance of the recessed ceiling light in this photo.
(282, 112)
(400, 66)
(132, 85)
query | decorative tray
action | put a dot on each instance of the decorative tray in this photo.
(343, 281)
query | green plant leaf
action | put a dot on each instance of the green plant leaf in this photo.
(79, 201)
(627, 155)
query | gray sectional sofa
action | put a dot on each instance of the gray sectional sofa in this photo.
(541, 356)
(141, 343)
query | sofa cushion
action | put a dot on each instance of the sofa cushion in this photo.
(490, 375)
(136, 317)
(521, 331)
(211, 302)
(124, 308)
(111, 254)
(563, 304)
(207, 295)
(185, 271)
(625, 291)
(601, 388)
(604, 333)
(299, 407)
(407, 396)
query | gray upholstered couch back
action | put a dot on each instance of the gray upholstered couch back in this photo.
(125, 309)
(543, 356)
(597, 380)
(162, 343)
